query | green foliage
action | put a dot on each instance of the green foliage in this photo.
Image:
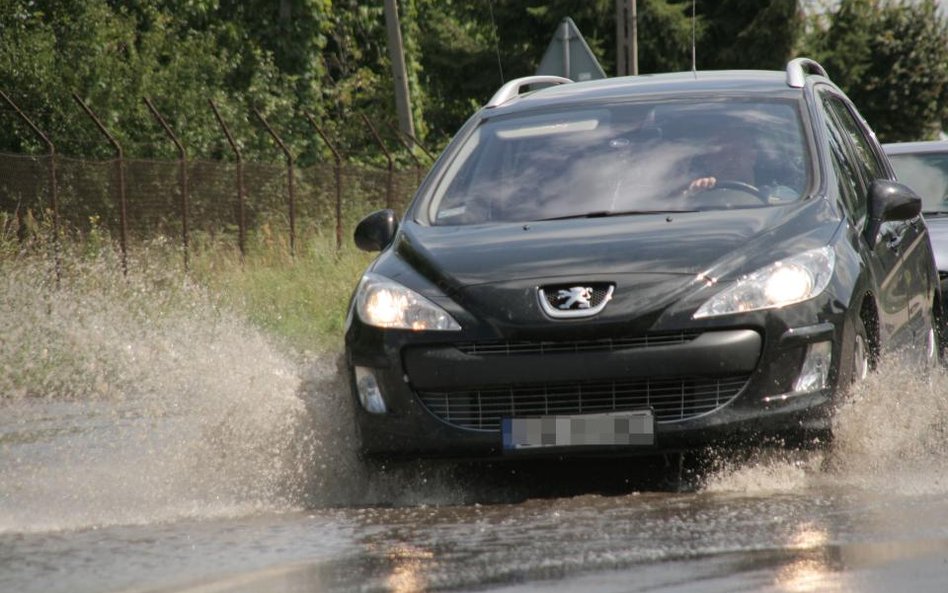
(665, 30)
(329, 58)
(302, 299)
(111, 58)
(892, 60)
(469, 48)
(749, 33)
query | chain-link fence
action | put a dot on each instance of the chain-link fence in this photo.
(138, 199)
(196, 200)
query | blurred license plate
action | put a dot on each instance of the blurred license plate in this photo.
(620, 428)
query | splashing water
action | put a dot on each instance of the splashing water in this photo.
(889, 436)
(140, 399)
(893, 434)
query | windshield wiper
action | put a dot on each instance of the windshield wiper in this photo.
(934, 213)
(608, 213)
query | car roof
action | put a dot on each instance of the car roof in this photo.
(676, 84)
(921, 147)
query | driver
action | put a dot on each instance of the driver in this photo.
(730, 156)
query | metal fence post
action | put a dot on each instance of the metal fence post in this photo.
(411, 152)
(123, 205)
(241, 212)
(415, 142)
(337, 156)
(183, 167)
(53, 193)
(389, 189)
(289, 179)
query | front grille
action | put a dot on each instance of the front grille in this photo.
(670, 399)
(553, 297)
(601, 345)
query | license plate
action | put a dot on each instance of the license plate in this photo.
(584, 430)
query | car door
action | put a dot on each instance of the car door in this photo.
(914, 247)
(855, 176)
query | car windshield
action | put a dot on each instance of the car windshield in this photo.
(927, 174)
(628, 158)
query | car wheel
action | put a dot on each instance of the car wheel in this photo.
(862, 352)
(932, 346)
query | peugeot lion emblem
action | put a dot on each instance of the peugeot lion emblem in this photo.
(576, 297)
(569, 301)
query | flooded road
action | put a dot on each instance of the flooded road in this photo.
(809, 538)
(151, 442)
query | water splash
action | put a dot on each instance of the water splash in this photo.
(890, 436)
(141, 399)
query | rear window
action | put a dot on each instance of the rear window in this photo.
(624, 158)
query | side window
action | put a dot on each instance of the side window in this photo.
(851, 191)
(862, 144)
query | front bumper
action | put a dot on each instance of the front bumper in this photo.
(704, 387)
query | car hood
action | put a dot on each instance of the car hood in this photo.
(938, 231)
(653, 261)
(677, 244)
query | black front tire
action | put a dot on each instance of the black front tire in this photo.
(862, 352)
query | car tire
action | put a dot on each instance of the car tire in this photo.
(932, 347)
(863, 360)
(941, 334)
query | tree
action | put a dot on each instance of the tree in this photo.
(324, 57)
(469, 47)
(749, 33)
(891, 59)
(665, 35)
(113, 57)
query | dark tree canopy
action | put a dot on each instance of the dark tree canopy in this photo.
(329, 58)
(892, 60)
(749, 34)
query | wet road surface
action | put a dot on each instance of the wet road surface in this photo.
(867, 514)
(177, 450)
(818, 538)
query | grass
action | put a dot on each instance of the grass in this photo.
(299, 299)
(302, 298)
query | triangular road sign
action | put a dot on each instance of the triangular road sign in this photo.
(568, 55)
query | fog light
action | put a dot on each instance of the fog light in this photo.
(814, 374)
(370, 396)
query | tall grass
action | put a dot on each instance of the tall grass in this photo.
(300, 298)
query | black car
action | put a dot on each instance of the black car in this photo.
(638, 265)
(923, 166)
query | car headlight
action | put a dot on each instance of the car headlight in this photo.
(782, 283)
(381, 302)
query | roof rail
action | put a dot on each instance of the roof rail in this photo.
(798, 68)
(512, 88)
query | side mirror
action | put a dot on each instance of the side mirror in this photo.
(890, 200)
(376, 231)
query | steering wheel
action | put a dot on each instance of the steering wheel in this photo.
(736, 185)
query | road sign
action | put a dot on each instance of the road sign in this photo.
(568, 55)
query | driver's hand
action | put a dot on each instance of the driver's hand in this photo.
(702, 183)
